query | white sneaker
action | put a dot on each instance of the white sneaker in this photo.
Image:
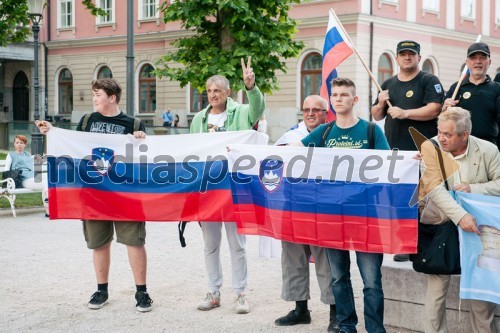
(242, 306)
(211, 301)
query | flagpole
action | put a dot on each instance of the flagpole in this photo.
(462, 76)
(359, 56)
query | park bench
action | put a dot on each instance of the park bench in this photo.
(10, 191)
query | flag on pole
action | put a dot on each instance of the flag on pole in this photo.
(336, 49)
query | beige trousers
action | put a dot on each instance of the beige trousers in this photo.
(481, 312)
(295, 270)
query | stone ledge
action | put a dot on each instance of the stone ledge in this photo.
(21, 211)
(404, 293)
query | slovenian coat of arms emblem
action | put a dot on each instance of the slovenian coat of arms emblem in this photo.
(271, 174)
(102, 159)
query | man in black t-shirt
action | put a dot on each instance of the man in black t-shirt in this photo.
(478, 94)
(416, 99)
(415, 96)
(98, 234)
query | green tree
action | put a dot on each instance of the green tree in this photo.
(14, 21)
(225, 31)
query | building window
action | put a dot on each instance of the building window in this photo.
(199, 101)
(107, 6)
(66, 8)
(431, 5)
(147, 89)
(428, 67)
(384, 68)
(468, 9)
(104, 73)
(497, 12)
(148, 9)
(310, 75)
(65, 92)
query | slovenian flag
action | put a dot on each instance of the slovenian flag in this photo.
(160, 178)
(352, 199)
(335, 50)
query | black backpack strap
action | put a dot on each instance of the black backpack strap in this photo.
(182, 226)
(441, 163)
(137, 124)
(328, 128)
(371, 135)
(85, 121)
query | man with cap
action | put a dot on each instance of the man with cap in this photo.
(416, 99)
(478, 94)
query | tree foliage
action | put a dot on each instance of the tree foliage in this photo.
(14, 21)
(94, 10)
(225, 31)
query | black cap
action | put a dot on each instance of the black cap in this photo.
(408, 45)
(478, 47)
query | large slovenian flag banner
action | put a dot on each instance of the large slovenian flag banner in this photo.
(160, 178)
(335, 50)
(480, 255)
(352, 199)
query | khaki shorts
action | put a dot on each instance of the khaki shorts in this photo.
(100, 233)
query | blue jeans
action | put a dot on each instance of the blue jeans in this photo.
(373, 296)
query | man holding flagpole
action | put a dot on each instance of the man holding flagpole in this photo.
(478, 94)
(416, 99)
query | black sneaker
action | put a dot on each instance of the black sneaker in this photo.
(98, 299)
(294, 318)
(401, 257)
(333, 327)
(143, 301)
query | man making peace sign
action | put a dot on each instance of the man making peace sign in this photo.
(225, 114)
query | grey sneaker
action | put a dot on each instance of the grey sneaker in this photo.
(211, 301)
(241, 306)
(98, 299)
(143, 301)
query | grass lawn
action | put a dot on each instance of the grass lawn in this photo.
(24, 201)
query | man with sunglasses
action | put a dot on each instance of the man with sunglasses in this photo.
(295, 257)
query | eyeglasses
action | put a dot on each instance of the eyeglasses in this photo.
(313, 110)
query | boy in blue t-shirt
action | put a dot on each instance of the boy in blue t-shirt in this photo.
(350, 131)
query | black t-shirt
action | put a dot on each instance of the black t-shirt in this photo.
(423, 89)
(120, 124)
(483, 103)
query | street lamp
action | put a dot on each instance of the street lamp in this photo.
(35, 14)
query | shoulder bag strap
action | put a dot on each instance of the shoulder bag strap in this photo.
(371, 135)
(85, 121)
(326, 132)
(441, 163)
